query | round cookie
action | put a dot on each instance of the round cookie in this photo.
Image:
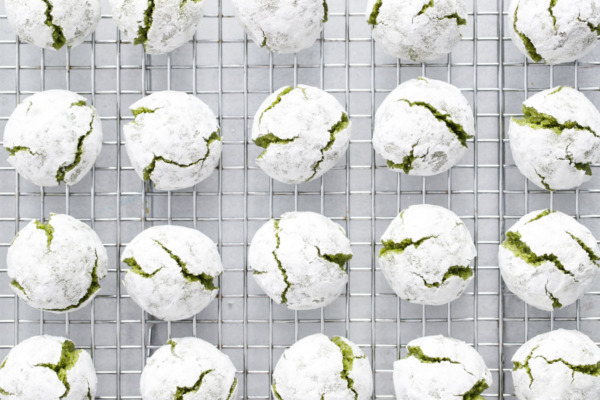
(548, 259)
(174, 140)
(171, 273)
(160, 26)
(283, 26)
(422, 127)
(558, 139)
(56, 266)
(49, 368)
(438, 367)
(53, 137)
(304, 131)
(51, 24)
(418, 30)
(426, 255)
(319, 368)
(560, 364)
(188, 368)
(553, 31)
(299, 260)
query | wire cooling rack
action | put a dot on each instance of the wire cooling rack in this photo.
(232, 75)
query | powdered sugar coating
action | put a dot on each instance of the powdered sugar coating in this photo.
(172, 271)
(190, 367)
(410, 136)
(313, 369)
(284, 26)
(565, 263)
(550, 377)
(554, 32)
(24, 376)
(160, 26)
(461, 369)
(436, 243)
(53, 137)
(57, 267)
(69, 21)
(173, 140)
(305, 131)
(292, 260)
(417, 30)
(559, 158)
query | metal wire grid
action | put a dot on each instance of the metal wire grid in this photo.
(232, 75)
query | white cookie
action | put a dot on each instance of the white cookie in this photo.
(440, 368)
(283, 26)
(160, 26)
(553, 31)
(174, 139)
(51, 24)
(557, 140)
(304, 131)
(426, 255)
(417, 30)
(56, 266)
(422, 127)
(191, 369)
(53, 137)
(299, 260)
(319, 368)
(557, 365)
(548, 259)
(172, 271)
(48, 368)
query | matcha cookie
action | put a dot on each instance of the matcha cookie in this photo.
(319, 368)
(304, 132)
(283, 26)
(557, 365)
(160, 26)
(52, 24)
(555, 144)
(417, 30)
(191, 369)
(172, 269)
(422, 127)
(438, 367)
(426, 255)
(548, 259)
(299, 260)
(53, 137)
(553, 31)
(56, 266)
(48, 368)
(174, 140)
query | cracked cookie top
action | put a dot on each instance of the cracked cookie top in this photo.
(317, 367)
(53, 137)
(188, 368)
(172, 271)
(304, 132)
(426, 255)
(439, 367)
(282, 26)
(554, 31)
(422, 127)
(556, 142)
(174, 140)
(417, 30)
(56, 266)
(561, 364)
(300, 260)
(548, 259)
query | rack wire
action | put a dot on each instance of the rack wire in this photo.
(231, 74)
